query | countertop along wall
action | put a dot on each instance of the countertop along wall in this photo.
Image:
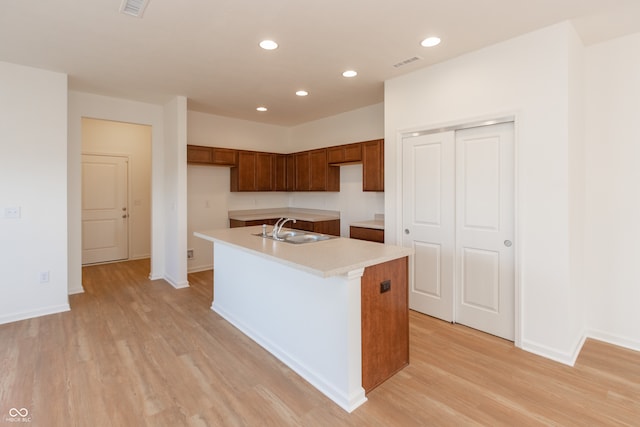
(209, 198)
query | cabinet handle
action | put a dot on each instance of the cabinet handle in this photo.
(406, 231)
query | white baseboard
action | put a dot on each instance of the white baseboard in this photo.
(566, 358)
(175, 283)
(44, 311)
(631, 344)
(75, 291)
(200, 268)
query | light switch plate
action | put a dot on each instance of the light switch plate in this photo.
(12, 212)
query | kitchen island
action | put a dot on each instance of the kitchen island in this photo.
(334, 311)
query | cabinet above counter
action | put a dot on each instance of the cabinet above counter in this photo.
(312, 170)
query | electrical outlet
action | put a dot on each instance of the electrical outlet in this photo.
(385, 286)
(189, 253)
(44, 277)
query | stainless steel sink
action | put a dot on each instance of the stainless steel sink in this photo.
(306, 238)
(296, 237)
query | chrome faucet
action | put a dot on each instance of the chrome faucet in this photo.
(278, 227)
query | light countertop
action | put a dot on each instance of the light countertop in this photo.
(311, 215)
(325, 258)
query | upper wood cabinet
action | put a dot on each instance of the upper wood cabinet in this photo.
(199, 154)
(373, 165)
(254, 172)
(280, 172)
(313, 173)
(313, 170)
(341, 154)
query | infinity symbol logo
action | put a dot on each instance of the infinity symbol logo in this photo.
(22, 412)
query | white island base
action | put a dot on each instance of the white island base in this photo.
(311, 323)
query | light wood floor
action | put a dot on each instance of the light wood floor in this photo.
(133, 352)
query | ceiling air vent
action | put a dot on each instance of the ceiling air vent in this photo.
(133, 7)
(407, 61)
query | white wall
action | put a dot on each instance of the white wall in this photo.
(101, 107)
(613, 199)
(175, 192)
(363, 124)
(528, 76)
(134, 142)
(33, 177)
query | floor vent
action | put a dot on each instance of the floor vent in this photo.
(407, 61)
(133, 7)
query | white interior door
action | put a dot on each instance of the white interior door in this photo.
(485, 229)
(104, 208)
(429, 221)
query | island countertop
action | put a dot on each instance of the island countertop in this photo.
(325, 258)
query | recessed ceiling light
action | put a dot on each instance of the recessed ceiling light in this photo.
(430, 42)
(350, 73)
(261, 108)
(268, 44)
(302, 93)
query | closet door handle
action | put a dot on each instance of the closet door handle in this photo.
(508, 243)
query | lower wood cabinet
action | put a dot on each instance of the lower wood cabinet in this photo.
(385, 321)
(363, 233)
(331, 227)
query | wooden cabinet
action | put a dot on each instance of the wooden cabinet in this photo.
(344, 154)
(373, 165)
(363, 233)
(331, 227)
(254, 172)
(385, 321)
(302, 172)
(314, 170)
(234, 223)
(197, 154)
(280, 172)
(313, 173)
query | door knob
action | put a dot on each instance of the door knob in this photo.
(406, 231)
(508, 243)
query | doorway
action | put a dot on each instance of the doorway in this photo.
(104, 144)
(458, 215)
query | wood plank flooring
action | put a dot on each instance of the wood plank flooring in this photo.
(135, 352)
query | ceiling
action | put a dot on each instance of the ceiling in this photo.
(208, 50)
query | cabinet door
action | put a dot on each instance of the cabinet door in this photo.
(373, 165)
(264, 171)
(291, 172)
(243, 176)
(353, 153)
(280, 172)
(199, 154)
(302, 171)
(224, 156)
(319, 168)
(335, 155)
